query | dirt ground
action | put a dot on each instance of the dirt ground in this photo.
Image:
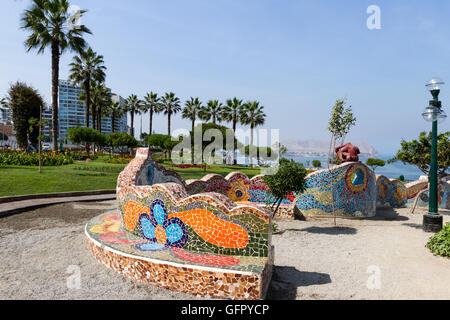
(380, 258)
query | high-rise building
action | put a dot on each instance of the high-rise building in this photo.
(72, 112)
(5, 115)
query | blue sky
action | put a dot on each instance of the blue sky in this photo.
(295, 57)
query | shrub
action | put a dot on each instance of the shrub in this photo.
(375, 163)
(316, 164)
(290, 178)
(440, 243)
(119, 160)
(19, 158)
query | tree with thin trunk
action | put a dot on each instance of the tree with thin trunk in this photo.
(100, 99)
(213, 111)
(133, 105)
(87, 66)
(190, 112)
(253, 115)
(153, 106)
(115, 111)
(231, 113)
(51, 24)
(170, 105)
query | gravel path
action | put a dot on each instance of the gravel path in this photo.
(42, 249)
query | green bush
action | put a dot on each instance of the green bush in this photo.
(20, 158)
(440, 243)
(316, 164)
(118, 160)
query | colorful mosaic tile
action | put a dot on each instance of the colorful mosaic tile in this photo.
(165, 224)
(443, 197)
(392, 193)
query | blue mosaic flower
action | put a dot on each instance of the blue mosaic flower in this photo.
(160, 231)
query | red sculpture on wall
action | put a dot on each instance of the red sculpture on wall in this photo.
(347, 153)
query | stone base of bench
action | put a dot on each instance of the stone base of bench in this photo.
(199, 280)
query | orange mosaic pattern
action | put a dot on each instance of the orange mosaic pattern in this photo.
(131, 214)
(214, 230)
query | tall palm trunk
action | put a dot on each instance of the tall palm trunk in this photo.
(140, 129)
(251, 146)
(193, 148)
(151, 122)
(168, 123)
(55, 88)
(132, 123)
(87, 88)
(234, 144)
(94, 111)
(99, 119)
(113, 120)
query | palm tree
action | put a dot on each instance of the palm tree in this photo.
(84, 68)
(101, 99)
(252, 114)
(170, 105)
(212, 111)
(49, 22)
(133, 105)
(153, 106)
(231, 113)
(115, 110)
(191, 112)
(143, 108)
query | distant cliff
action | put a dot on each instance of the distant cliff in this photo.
(315, 148)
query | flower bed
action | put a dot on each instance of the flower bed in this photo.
(187, 166)
(21, 158)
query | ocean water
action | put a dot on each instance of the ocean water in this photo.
(391, 171)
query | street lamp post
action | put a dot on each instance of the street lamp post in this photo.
(433, 221)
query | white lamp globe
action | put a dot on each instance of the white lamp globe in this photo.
(435, 84)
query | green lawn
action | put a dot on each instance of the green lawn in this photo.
(80, 176)
(84, 176)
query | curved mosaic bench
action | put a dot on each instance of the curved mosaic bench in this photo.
(443, 197)
(391, 193)
(202, 244)
(352, 187)
(415, 187)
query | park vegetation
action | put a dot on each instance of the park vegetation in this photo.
(290, 178)
(418, 153)
(440, 243)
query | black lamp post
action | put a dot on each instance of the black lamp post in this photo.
(432, 221)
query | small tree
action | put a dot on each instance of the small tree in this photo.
(121, 140)
(316, 164)
(25, 103)
(418, 153)
(341, 121)
(375, 163)
(290, 178)
(85, 136)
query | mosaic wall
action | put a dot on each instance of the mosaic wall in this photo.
(352, 187)
(164, 225)
(348, 189)
(415, 187)
(204, 223)
(391, 193)
(443, 197)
